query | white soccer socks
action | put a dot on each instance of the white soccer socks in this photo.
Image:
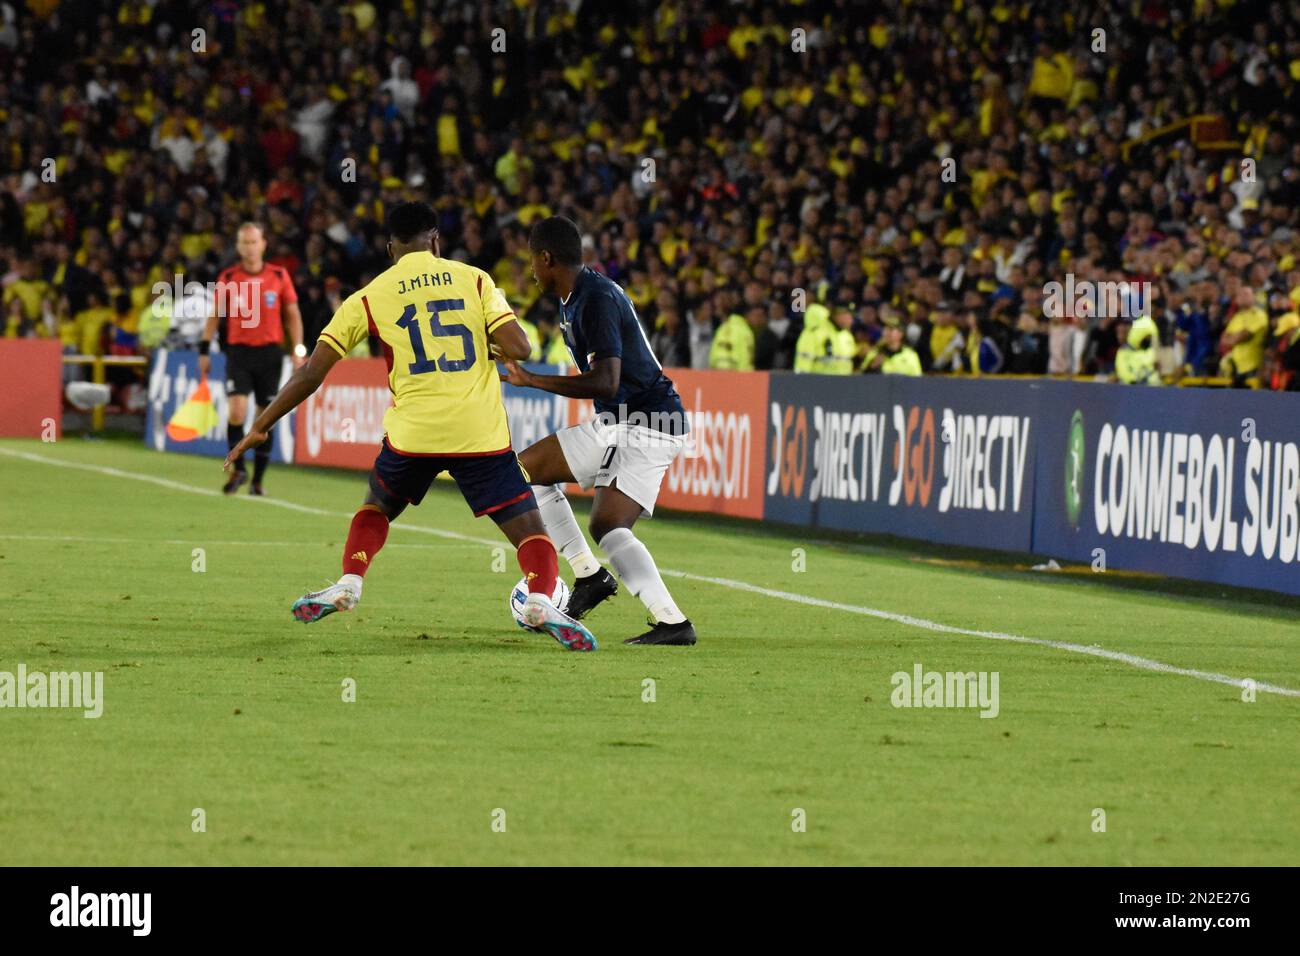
(633, 564)
(627, 556)
(562, 528)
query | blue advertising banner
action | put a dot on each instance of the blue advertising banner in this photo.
(174, 377)
(532, 413)
(1183, 482)
(943, 460)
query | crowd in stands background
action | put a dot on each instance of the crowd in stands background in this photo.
(831, 186)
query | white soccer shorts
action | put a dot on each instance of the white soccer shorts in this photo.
(635, 457)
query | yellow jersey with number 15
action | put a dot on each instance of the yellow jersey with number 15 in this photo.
(433, 317)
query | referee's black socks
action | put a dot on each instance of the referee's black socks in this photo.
(234, 433)
(262, 458)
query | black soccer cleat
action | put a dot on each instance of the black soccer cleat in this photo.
(255, 489)
(673, 635)
(588, 592)
(235, 483)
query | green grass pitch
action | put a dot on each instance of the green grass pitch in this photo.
(215, 698)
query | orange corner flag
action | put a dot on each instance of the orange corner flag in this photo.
(195, 417)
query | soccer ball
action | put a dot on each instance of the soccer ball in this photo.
(519, 594)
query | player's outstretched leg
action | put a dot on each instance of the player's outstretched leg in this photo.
(366, 536)
(591, 582)
(538, 561)
(612, 518)
(527, 525)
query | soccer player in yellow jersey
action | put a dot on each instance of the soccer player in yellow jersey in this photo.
(441, 323)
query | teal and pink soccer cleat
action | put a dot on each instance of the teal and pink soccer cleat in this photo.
(541, 615)
(318, 604)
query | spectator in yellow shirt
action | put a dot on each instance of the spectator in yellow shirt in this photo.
(535, 208)
(90, 323)
(1135, 359)
(893, 356)
(946, 340)
(733, 345)
(13, 316)
(66, 326)
(513, 164)
(24, 300)
(1052, 75)
(1244, 339)
(843, 344)
(813, 345)
(447, 126)
(363, 13)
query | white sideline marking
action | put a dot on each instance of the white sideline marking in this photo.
(1132, 660)
(1091, 649)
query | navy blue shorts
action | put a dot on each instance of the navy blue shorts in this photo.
(492, 484)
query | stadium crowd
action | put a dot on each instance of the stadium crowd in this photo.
(829, 186)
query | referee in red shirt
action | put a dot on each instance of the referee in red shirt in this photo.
(257, 301)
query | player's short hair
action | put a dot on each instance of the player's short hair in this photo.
(411, 220)
(560, 237)
(250, 224)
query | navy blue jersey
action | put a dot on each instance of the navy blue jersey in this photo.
(599, 321)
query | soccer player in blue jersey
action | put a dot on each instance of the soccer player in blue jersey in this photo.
(639, 430)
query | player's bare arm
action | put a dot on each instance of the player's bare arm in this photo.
(510, 342)
(298, 389)
(293, 325)
(600, 382)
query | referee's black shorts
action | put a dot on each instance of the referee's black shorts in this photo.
(256, 369)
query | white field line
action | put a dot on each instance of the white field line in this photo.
(1092, 650)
